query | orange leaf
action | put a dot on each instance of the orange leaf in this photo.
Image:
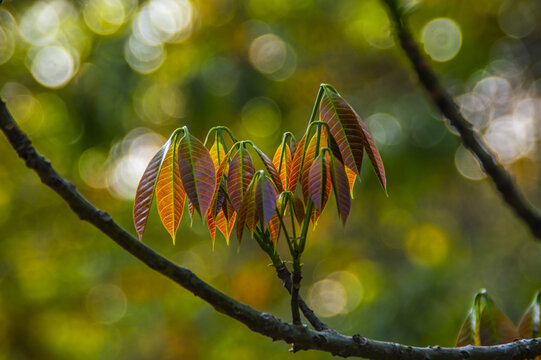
(170, 194)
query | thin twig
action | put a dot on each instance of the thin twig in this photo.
(504, 182)
(266, 324)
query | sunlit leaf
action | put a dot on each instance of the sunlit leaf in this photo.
(145, 190)
(247, 214)
(351, 179)
(529, 326)
(271, 169)
(274, 224)
(217, 153)
(309, 157)
(340, 186)
(265, 200)
(197, 172)
(224, 225)
(486, 324)
(318, 179)
(282, 162)
(170, 194)
(296, 165)
(350, 133)
(241, 172)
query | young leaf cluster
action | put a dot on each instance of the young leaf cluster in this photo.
(487, 325)
(219, 181)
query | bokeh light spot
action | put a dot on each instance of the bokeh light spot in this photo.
(327, 297)
(104, 17)
(261, 117)
(385, 128)
(426, 245)
(107, 303)
(128, 166)
(268, 53)
(53, 66)
(353, 288)
(516, 18)
(468, 165)
(442, 39)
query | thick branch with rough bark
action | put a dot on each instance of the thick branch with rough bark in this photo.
(301, 337)
(504, 182)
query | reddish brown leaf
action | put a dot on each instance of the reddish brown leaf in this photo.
(241, 172)
(309, 156)
(145, 190)
(271, 169)
(373, 153)
(341, 189)
(170, 194)
(350, 133)
(530, 324)
(265, 200)
(298, 206)
(274, 224)
(247, 214)
(296, 165)
(318, 181)
(197, 173)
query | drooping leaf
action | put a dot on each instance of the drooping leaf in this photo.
(265, 200)
(486, 324)
(296, 165)
(530, 324)
(309, 156)
(217, 153)
(298, 206)
(340, 186)
(282, 162)
(145, 190)
(373, 153)
(241, 172)
(170, 194)
(350, 133)
(224, 225)
(197, 172)
(218, 198)
(247, 214)
(271, 169)
(274, 224)
(318, 181)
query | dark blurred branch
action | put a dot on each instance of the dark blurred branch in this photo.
(470, 138)
(301, 337)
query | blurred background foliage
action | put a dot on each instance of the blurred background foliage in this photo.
(99, 84)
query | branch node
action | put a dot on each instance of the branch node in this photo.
(465, 354)
(104, 216)
(359, 340)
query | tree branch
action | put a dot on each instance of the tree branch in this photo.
(301, 337)
(505, 184)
